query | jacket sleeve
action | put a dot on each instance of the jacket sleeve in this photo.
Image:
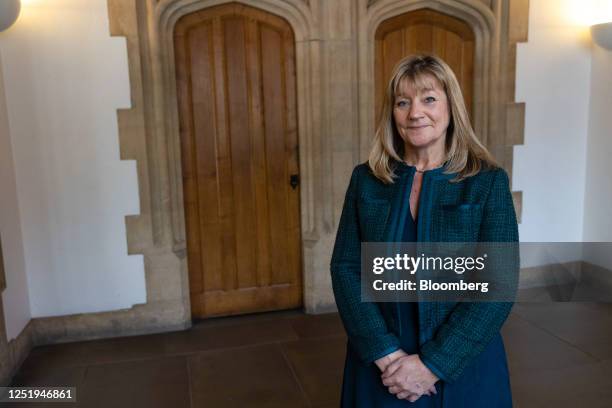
(364, 323)
(471, 326)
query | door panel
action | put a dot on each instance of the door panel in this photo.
(238, 128)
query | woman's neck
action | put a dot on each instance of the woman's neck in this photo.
(424, 160)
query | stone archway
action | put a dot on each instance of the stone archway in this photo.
(149, 134)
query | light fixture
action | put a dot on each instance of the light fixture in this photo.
(9, 11)
(602, 35)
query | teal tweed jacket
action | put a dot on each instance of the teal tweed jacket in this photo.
(476, 209)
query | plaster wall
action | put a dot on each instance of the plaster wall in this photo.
(64, 78)
(598, 191)
(553, 79)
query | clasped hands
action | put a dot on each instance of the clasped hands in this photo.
(406, 376)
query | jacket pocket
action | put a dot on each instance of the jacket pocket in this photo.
(458, 223)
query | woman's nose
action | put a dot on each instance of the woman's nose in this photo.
(415, 112)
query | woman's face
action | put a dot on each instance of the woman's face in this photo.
(422, 114)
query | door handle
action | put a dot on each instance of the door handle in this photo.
(294, 180)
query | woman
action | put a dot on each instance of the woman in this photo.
(428, 178)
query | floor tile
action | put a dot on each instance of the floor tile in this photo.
(155, 383)
(529, 347)
(327, 405)
(318, 364)
(575, 292)
(587, 327)
(247, 377)
(96, 351)
(602, 308)
(51, 376)
(322, 325)
(581, 386)
(228, 336)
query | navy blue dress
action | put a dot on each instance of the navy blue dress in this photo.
(483, 384)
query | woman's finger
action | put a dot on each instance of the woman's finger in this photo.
(413, 397)
(392, 368)
(395, 379)
(404, 395)
(395, 389)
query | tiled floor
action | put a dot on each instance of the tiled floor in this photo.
(560, 355)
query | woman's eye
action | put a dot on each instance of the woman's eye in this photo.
(402, 104)
(430, 99)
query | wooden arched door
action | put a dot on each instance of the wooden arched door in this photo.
(239, 147)
(425, 31)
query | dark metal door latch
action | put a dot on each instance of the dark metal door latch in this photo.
(294, 180)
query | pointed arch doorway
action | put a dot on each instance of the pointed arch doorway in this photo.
(236, 85)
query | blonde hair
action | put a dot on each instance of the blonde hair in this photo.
(465, 154)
